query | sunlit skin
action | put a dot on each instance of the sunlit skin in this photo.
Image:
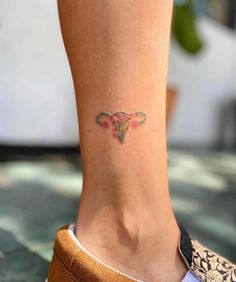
(118, 54)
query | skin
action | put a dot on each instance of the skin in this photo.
(118, 53)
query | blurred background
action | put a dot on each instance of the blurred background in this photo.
(40, 170)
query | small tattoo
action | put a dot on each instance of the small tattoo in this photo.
(120, 122)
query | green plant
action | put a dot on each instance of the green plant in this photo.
(184, 27)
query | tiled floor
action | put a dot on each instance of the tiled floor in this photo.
(38, 196)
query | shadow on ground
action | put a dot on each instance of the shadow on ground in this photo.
(18, 263)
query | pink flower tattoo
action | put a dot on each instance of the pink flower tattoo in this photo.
(120, 122)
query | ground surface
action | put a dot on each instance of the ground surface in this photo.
(38, 196)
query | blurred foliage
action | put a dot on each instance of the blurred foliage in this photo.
(184, 28)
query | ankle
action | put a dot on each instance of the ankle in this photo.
(125, 227)
(131, 217)
(151, 254)
(133, 208)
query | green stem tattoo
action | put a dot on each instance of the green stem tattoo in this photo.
(120, 122)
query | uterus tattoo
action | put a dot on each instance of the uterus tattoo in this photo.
(120, 122)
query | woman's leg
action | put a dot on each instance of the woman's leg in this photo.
(118, 53)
